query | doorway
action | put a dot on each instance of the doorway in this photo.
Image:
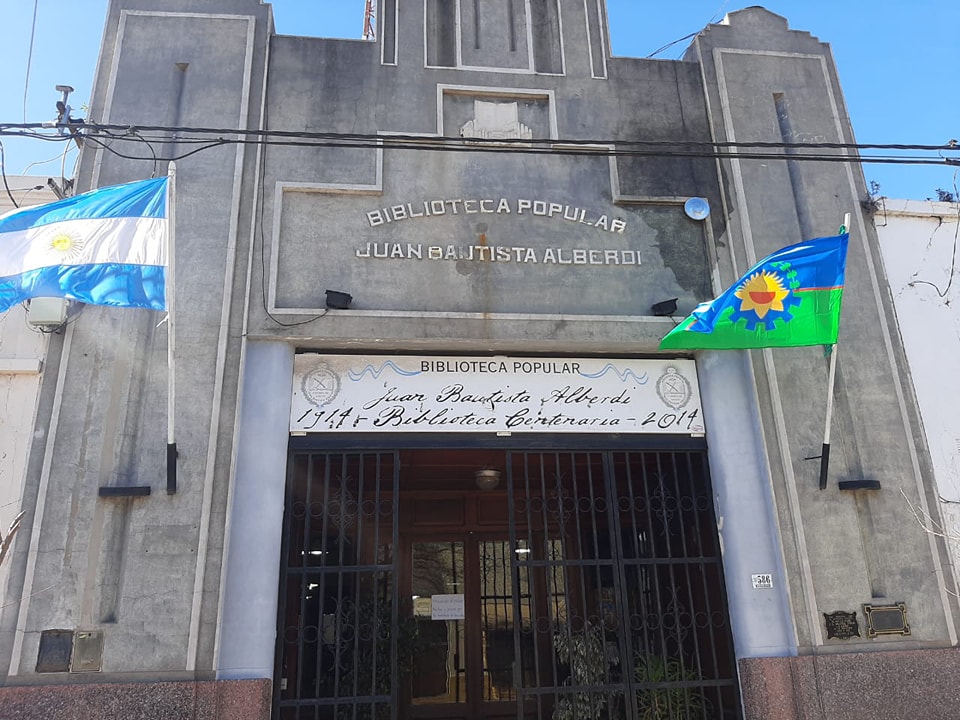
(462, 602)
(576, 586)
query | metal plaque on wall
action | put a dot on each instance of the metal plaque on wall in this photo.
(841, 625)
(886, 619)
(56, 647)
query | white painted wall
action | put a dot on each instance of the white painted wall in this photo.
(21, 353)
(920, 245)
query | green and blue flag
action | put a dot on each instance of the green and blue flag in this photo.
(789, 299)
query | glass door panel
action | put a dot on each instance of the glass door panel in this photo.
(439, 673)
(496, 621)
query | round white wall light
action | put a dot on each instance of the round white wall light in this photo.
(697, 208)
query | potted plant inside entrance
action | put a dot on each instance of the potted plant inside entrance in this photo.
(666, 699)
(589, 659)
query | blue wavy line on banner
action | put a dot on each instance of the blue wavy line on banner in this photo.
(622, 374)
(375, 373)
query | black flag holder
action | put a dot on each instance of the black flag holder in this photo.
(171, 468)
(824, 458)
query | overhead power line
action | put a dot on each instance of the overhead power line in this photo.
(197, 139)
(90, 127)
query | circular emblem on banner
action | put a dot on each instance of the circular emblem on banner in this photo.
(64, 247)
(320, 385)
(674, 389)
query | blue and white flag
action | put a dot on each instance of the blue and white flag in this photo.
(105, 247)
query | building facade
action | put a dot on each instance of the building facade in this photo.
(22, 349)
(917, 242)
(430, 462)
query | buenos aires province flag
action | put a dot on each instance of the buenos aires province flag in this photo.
(104, 247)
(789, 299)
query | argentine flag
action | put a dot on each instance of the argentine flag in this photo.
(105, 247)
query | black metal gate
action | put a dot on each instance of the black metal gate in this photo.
(336, 635)
(619, 593)
(616, 587)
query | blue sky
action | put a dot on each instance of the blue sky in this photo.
(898, 63)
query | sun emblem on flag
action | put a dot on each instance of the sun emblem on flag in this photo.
(65, 246)
(764, 299)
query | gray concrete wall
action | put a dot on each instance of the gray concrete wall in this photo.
(330, 198)
(769, 84)
(145, 571)
(261, 234)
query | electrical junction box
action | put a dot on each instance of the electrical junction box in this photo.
(87, 651)
(47, 312)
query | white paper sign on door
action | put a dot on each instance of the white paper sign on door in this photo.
(447, 607)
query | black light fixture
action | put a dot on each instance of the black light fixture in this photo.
(664, 308)
(337, 300)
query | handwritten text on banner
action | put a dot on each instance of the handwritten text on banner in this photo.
(352, 393)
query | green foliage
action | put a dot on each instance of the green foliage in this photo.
(666, 703)
(368, 653)
(586, 654)
(363, 646)
(873, 202)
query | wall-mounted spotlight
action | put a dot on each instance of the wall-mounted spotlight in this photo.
(664, 308)
(337, 300)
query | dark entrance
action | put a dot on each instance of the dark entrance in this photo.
(583, 586)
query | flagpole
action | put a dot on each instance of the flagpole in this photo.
(831, 382)
(171, 355)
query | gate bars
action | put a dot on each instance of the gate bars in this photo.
(619, 606)
(626, 612)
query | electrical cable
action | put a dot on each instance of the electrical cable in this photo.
(27, 191)
(719, 13)
(156, 163)
(588, 152)
(196, 138)
(91, 127)
(58, 156)
(263, 249)
(671, 44)
(154, 158)
(26, 80)
(556, 147)
(712, 19)
(3, 172)
(657, 148)
(63, 165)
(674, 148)
(953, 253)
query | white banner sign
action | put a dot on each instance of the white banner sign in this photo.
(353, 393)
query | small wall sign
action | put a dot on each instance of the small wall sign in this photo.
(762, 581)
(886, 619)
(841, 625)
(447, 607)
